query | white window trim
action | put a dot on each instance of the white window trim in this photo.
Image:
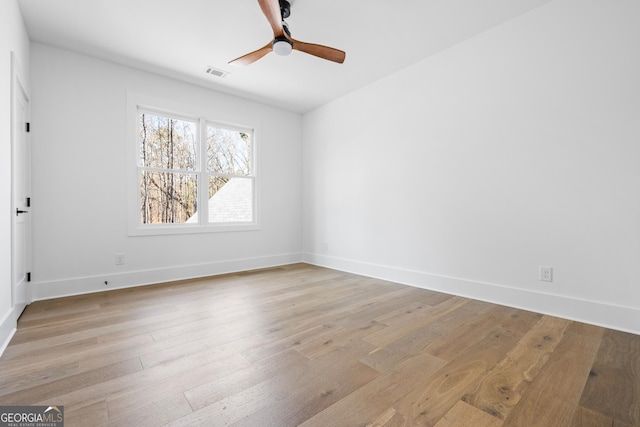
(136, 102)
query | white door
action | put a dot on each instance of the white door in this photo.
(21, 173)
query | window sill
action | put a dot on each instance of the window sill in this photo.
(162, 230)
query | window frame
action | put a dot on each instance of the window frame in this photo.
(137, 103)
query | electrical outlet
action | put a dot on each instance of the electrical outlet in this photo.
(546, 273)
(119, 259)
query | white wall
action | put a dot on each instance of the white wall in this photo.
(468, 170)
(13, 38)
(80, 187)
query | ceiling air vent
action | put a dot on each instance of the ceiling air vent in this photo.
(215, 72)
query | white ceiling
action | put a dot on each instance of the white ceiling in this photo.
(180, 38)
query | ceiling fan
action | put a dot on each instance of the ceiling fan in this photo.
(282, 44)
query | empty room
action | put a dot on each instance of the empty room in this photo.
(320, 213)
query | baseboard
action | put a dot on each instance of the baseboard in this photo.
(8, 326)
(621, 318)
(90, 284)
(7, 329)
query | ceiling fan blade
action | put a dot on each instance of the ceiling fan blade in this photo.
(252, 57)
(271, 10)
(282, 41)
(324, 52)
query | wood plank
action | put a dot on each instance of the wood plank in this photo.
(437, 394)
(132, 327)
(586, 330)
(210, 391)
(389, 418)
(217, 365)
(463, 414)
(278, 400)
(419, 308)
(277, 346)
(340, 337)
(340, 313)
(416, 320)
(449, 345)
(56, 333)
(42, 392)
(152, 413)
(553, 397)
(613, 386)
(327, 382)
(12, 382)
(502, 387)
(220, 365)
(95, 414)
(375, 307)
(406, 346)
(584, 417)
(366, 404)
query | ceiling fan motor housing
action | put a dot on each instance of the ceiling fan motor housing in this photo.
(282, 46)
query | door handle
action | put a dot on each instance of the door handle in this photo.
(18, 212)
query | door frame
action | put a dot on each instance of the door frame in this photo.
(20, 287)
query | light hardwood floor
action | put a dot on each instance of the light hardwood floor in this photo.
(303, 345)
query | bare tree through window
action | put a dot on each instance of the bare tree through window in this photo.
(170, 171)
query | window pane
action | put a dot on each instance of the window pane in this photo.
(167, 198)
(228, 151)
(167, 143)
(230, 199)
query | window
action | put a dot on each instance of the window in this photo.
(168, 169)
(192, 174)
